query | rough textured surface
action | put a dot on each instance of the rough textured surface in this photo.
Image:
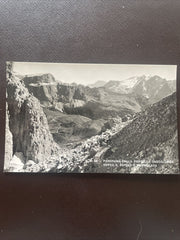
(8, 143)
(151, 135)
(39, 79)
(28, 123)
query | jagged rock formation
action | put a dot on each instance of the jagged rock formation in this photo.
(8, 143)
(43, 87)
(39, 79)
(51, 93)
(28, 123)
(154, 88)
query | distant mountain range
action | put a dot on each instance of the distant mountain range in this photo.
(47, 89)
(153, 88)
(78, 98)
(100, 102)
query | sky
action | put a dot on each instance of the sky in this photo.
(83, 73)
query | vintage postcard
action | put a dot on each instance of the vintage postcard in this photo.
(91, 118)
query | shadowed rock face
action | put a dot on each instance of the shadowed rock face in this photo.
(8, 143)
(27, 122)
(66, 93)
(47, 94)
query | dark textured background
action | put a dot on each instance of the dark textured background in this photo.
(86, 207)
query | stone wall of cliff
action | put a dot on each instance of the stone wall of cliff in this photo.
(27, 123)
(8, 143)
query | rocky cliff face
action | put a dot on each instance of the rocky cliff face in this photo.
(51, 93)
(43, 87)
(8, 143)
(39, 79)
(28, 124)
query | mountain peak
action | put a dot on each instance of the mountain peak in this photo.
(97, 84)
(39, 78)
(152, 87)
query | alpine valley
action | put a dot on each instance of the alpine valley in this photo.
(52, 126)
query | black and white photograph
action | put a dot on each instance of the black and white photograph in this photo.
(91, 118)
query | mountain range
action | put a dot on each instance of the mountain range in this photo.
(153, 88)
(49, 91)
(75, 126)
(94, 106)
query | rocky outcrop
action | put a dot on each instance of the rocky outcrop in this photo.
(43, 87)
(51, 93)
(46, 93)
(28, 124)
(39, 79)
(8, 143)
(66, 93)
